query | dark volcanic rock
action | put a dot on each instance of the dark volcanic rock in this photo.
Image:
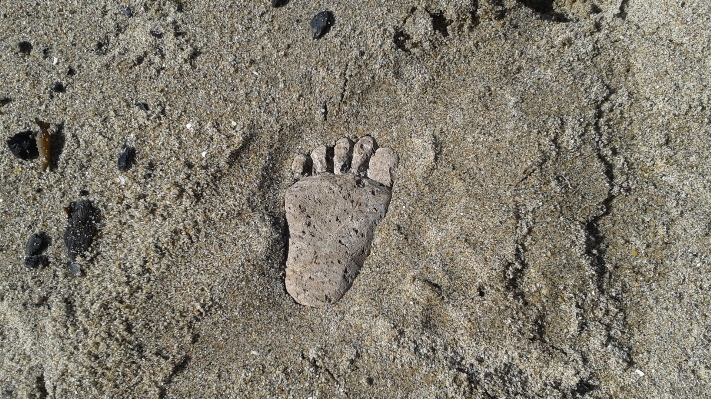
(321, 24)
(25, 47)
(37, 243)
(83, 218)
(126, 158)
(58, 87)
(23, 145)
(35, 261)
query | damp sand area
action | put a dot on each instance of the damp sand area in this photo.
(545, 232)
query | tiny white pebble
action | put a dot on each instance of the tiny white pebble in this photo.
(203, 153)
(121, 180)
(255, 73)
(233, 123)
(255, 353)
(189, 125)
(639, 372)
(55, 61)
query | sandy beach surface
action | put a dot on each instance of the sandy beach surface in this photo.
(548, 234)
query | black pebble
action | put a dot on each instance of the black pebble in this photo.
(25, 47)
(142, 106)
(23, 145)
(35, 261)
(279, 3)
(79, 235)
(321, 24)
(127, 12)
(126, 158)
(5, 101)
(83, 193)
(58, 87)
(37, 243)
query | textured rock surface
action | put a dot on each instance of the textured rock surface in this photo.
(332, 218)
(331, 224)
(36, 244)
(382, 166)
(81, 228)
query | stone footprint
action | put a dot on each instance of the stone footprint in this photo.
(341, 195)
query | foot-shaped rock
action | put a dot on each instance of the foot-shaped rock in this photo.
(341, 195)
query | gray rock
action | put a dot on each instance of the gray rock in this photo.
(322, 162)
(75, 268)
(362, 151)
(321, 24)
(382, 166)
(301, 166)
(342, 154)
(332, 219)
(37, 243)
(126, 158)
(36, 261)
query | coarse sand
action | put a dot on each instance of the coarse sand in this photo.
(547, 237)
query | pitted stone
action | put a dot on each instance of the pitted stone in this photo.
(332, 220)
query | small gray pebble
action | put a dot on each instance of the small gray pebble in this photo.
(37, 243)
(321, 23)
(75, 268)
(127, 12)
